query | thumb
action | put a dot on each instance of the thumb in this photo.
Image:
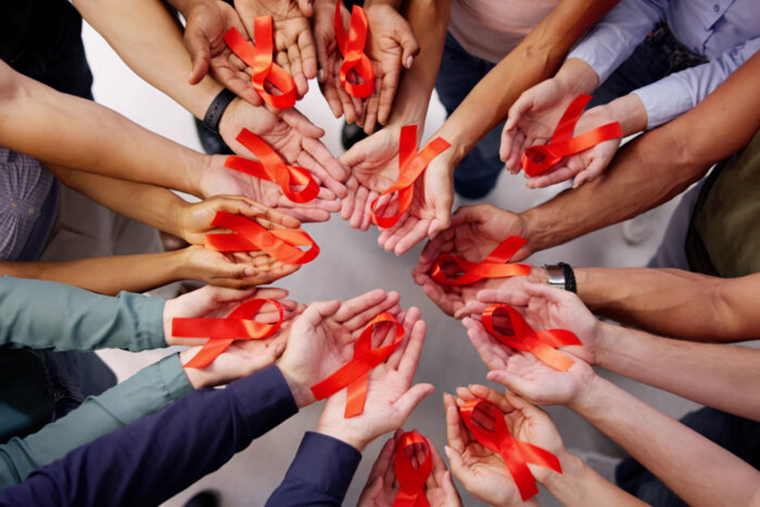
(318, 311)
(456, 463)
(410, 399)
(514, 383)
(306, 8)
(409, 45)
(521, 105)
(198, 48)
(356, 155)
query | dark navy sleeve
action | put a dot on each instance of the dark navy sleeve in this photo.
(320, 473)
(149, 461)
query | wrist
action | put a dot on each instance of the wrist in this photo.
(604, 343)
(343, 435)
(629, 110)
(571, 466)
(196, 377)
(588, 401)
(184, 6)
(577, 77)
(301, 393)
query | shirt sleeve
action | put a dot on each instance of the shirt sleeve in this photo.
(147, 392)
(680, 92)
(49, 315)
(615, 37)
(320, 473)
(154, 458)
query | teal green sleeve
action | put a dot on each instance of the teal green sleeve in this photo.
(49, 315)
(148, 391)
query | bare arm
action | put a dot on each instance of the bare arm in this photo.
(73, 132)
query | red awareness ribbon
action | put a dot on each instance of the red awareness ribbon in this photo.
(260, 59)
(355, 374)
(272, 168)
(280, 244)
(538, 159)
(541, 344)
(412, 480)
(411, 166)
(351, 46)
(222, 332)
(494, 266)
(515, 453)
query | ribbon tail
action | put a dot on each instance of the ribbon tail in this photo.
(552, 357)
(208, 353)
(537, 456)
(520, 472)
(356, 396)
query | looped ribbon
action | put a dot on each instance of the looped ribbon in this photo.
(541, 344)
(538, 159)
(355, 374)
(260, 59)
(272, 168)
(222, 332)
(411, 166)
(515, 453)
(494, 266)
(280, 244)
(351, 46)
(412, 480)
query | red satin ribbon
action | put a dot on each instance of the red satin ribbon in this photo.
(411, 166)
(222, 332)
(351, 46)
(538, 159)
(412, 480)
(494, 266)
(260, 59)
(515, 453)
(355, 374)
(272, 168)
(280, 244)
(541, 344)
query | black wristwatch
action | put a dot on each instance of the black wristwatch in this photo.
(216, 110)
(561, 276)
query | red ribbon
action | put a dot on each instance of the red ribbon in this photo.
(541, 344)
(355, 374)
(351, 46)
(515, 453)
(260, 59)
(222, 332)
(280, 244)
(412, 480)
(411, 166)
(272, 168)
(538, 159)
(494, 266)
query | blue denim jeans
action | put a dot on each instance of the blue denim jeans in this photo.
(735, 434)
(477, 173)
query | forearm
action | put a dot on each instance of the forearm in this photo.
(579, 485)
(149, 40)
(153, 459)
(92, 321)
(710, 374)
(536, 58)
(159, 207)
(147, 392)
(655, 167)
(106, 275)
(697, 470)
(61, 129)
(429, 20)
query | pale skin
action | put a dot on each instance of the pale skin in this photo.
(487, 478)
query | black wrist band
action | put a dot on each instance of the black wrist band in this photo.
(216, 110)
(569, 277)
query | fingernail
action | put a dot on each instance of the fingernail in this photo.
(321, 75)
(250, 271)
(409, 62)
(447, 451)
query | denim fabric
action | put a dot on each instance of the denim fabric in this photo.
(477, 173)
(735, 434)
(72, 376)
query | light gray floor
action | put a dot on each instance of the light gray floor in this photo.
(352, 263)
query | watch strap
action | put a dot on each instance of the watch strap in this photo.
(216, 110)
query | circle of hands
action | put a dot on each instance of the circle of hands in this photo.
(316, 340)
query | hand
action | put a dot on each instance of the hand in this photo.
(330, 59)
(500, 290)
(480, 470)
(430, 211)
(475, 231)
(195, 219)
(293, 42)
(532, 119)
(207, 22)
(391, 398)
(391, 44)
(235, 270)
(321, 340)
(383, 486)
(373, 163)
(291, 135)
(588, 164)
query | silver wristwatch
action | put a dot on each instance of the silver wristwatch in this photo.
(555, 276)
